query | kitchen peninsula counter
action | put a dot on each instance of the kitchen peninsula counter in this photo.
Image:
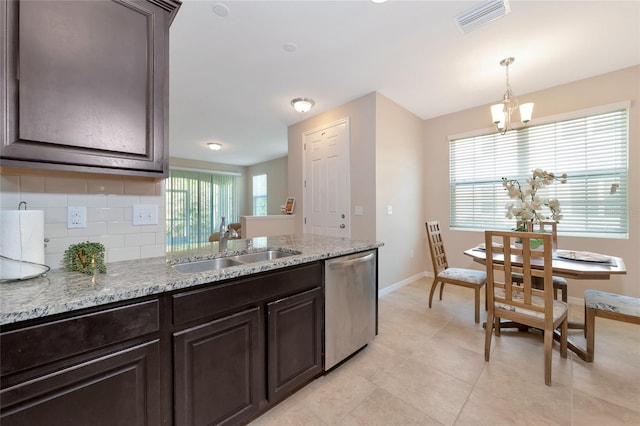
(61, 291)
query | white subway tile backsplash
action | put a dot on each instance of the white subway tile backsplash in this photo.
(9, 200)
(151, 251)
(55, 215)
(119, 254)
(87, 200)
(55, 230)
(109, 217)
(123, 228)
(138, 240)
(122, 200)
(39, 201)
(106, 214)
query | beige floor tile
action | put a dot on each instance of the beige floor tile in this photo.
(589, 410)
(384, 409)
(437, 394)
(451, 358)
(336, 395)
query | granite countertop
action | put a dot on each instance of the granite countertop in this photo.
(61, 291)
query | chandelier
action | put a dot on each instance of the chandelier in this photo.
(501, 113)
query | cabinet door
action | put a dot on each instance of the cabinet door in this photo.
(86, 84)
(218, 370)
(294, 342)
(122, 388)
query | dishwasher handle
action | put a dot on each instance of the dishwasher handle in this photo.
(346, 263)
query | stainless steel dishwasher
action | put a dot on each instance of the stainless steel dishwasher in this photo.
(351, 305)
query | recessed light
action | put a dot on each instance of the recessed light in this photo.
(289, 47)
(220, 9)
(302, 104)
(213, 146)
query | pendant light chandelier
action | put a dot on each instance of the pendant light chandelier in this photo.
(501, 113)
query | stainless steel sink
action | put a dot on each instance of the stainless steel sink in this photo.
(261, 256)
(225, 262)
(206, 265)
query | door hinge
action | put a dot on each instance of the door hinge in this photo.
(305, 220)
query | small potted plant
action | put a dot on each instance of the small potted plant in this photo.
(86, 257)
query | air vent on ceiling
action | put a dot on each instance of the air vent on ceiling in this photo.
(482, 14)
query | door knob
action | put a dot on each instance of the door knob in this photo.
(342, 226)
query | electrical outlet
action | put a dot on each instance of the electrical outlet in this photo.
(145, 214)
(76, 217)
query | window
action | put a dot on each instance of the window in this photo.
(260, 195)
(591, 150)
(196, 202)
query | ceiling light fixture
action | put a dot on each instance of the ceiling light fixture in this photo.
(213, 146)
(302, 104)
(501, 113)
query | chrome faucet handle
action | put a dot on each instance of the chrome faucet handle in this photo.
(231, 233)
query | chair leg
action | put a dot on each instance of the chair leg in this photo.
(477, 305)
(496, 325)
(487, 336)
(441, 290)
(564, 329)
(590, 326)
(548, 346)
(433, 290)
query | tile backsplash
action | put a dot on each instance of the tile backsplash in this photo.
(109, 202)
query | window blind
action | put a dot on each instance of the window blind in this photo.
(196, 202)
(591, 150)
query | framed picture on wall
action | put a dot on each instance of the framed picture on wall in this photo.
(289, 205)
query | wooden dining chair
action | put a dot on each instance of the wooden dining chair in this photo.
(559, 283)
(523, 303)
(444, 274)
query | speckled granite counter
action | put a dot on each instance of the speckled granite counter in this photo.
(62, 291)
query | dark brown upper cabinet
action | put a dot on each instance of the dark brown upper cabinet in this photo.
(86, 85)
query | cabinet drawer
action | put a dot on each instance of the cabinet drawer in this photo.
(202, 303)
(118, 389)
(41, 344)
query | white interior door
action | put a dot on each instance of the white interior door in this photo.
(327, 183)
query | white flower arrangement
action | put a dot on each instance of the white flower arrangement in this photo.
(528, 206)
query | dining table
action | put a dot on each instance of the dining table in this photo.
(575, 264)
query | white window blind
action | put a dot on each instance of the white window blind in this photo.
(196, 202)
(592, 151)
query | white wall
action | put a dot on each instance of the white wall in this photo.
(277, 184)
(361, 113)
(399, 184)
(623, 85)
(386, 169)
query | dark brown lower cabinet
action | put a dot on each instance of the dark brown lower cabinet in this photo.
(217, 354)
(121, 388)
(294, 342)
(217, 367)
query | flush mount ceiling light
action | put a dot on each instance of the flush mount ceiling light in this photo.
(302, 104)
(213, 146)
(501, 113)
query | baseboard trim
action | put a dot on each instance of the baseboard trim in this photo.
(393, 287)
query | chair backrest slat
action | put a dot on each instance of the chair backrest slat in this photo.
(505, 257)
(436, 246)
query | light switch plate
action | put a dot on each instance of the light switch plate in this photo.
(145, 214)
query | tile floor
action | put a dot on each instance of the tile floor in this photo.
(426, 367)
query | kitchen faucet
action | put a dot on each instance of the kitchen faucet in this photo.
(225, 234)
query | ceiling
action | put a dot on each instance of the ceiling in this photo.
(231, 79)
